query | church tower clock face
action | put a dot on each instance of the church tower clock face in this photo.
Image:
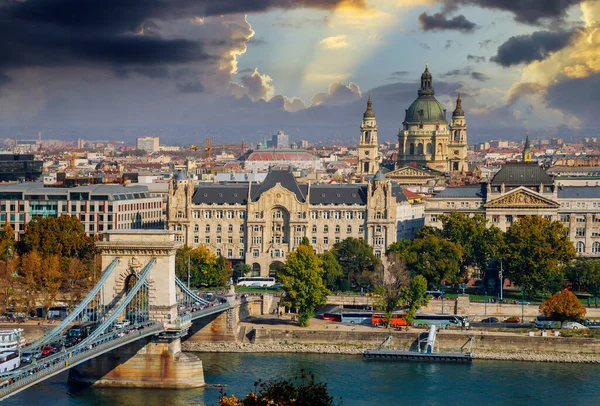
(456, 152)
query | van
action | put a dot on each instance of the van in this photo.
(546, 322)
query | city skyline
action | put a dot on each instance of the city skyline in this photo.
(240, 68)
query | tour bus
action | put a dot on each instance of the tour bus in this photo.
(546, 322)
(398, 319)
(356, 317)
(262, 282)
(332, 316)
(441, 320)
(9, 360)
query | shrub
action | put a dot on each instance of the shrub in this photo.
(563, 306)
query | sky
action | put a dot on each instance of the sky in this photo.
(240, 69)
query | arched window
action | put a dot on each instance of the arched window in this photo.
(580, 247)
(325, 228)
(457, 136)
(439, 148)
(596, 247)
(420, 149)
(196, 228)
(429, 148)
(412, 148)
(218, 228)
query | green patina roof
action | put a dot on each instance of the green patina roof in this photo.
(426, 109)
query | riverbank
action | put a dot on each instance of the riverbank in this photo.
(339, 349)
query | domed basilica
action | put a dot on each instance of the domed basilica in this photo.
(425, 139)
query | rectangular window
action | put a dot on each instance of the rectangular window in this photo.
(196, 214)
(218, 239)
(361, 215)
(299, 215)
(242, 216)
(580, 232)
(218, 252)
(241, 239)
(298, 240)
(348, 215)
(336, 215)
(565, 218)
(241, 252)
(196, 239)
(207, 239)
(337, 239)
(230, 214)
(361, 229)
(314, 241)
(326, 240)
(230, 239)
(495, 219)
(349, 230)
(580, 220)
(256, 215)
(314, 228)
(255, 253)
(219, 214)
(326, 215)
(207, 214)
(313, 215)
(229, 253)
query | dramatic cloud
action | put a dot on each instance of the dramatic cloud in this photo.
(522, 89)
(258, 86)
(524, 11)
(338, 94)
(479, 76)
(398, 74)
(475, 58)
(534, 47)
(574, 97)
(191, 87)
(335, 42)
(293, 104)
(440, 21)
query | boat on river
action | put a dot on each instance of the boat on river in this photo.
(10, 343)
(430, 353)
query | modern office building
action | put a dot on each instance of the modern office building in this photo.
(19, 167)
(99, 207)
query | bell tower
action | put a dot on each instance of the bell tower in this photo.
(368, 147)
(527, 154)
(457, 146)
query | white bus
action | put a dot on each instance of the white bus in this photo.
(441, 320)
(9, 360)
(256, 281)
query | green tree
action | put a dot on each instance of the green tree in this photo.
(240, 270)
(414, 296)
(437, 259)
(302, 280)
(480, 244)
(563, 306)
(333, 270)
(390, 282)
(7, 242)
(585, 273)
(536, 251)
(222, 271)
(202, 265)
(357, 260)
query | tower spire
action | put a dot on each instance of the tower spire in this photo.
(369, 113)
(458, 111)
(527, 155)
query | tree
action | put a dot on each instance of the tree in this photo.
(414, 296)
(585, 273)
(283, 392)
(390, 283)
(28, 279)
(480, 244)
(357, 260)
(302, 280)
(49, 281)
(76, 281)
(437, 259)
(222, 271)
(7, 283)
(240, 270)
(536, 251)
(7, 242)
(563, 306)
(333, 270)
(202, 265)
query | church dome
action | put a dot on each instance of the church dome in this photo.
(426, 109)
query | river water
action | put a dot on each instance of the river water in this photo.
(358, 382)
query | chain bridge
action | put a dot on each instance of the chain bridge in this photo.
(139, 307)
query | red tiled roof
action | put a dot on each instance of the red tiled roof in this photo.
(281, 156)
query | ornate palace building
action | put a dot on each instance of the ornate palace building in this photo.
(525, 189)
(260, 223)
(427, 138)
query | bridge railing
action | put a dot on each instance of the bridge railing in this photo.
(73, 356)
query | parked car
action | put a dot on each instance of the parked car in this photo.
(71, 341)
(572, 325)
(513, 319)
(490, 320)
(122, 324)
(591, 323)
(523, 302)
(48, 350)
(30, 356)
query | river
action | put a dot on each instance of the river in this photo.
(358, 382)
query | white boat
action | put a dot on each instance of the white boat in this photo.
(10, 344)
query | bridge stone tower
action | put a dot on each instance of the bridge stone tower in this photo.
(156, 361)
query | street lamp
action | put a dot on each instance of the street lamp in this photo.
(485, 306)
(501, 281)
(522, 303)
(188, 266)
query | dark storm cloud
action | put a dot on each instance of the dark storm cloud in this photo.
(95, 32)
(524, 11)
(441, 21)
(534, 47)
(479, 76)
(475, 58)
(575, 97)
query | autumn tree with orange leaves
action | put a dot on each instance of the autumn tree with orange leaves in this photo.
(563, 306)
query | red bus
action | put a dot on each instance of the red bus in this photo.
(398, 320)
(332, 316)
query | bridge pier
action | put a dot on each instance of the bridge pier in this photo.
(146, 363)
